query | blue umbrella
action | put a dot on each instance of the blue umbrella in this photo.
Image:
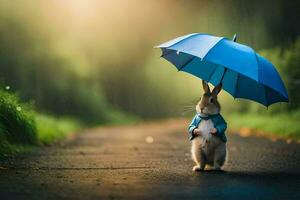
(242, 72)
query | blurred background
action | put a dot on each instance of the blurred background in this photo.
(93, 61)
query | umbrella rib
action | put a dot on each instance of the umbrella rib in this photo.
(259, 70)
(258, 67)
(236, 85)
(186, 63)
(266, 96)
(172, 51)
(212, 48)
(212, 73)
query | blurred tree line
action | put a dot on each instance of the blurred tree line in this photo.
(91, 59)
(43, 76)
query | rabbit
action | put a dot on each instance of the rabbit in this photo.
(207, 131)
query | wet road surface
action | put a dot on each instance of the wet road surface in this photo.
(150, 161)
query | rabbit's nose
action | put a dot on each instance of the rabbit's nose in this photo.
(202, 109)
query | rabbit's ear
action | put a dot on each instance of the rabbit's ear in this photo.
(217, 89)
(205, 87)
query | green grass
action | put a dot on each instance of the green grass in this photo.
(51, 129)
(17, 123)
(285, 125)
(117, 117)
(8, 149)
(22, 128)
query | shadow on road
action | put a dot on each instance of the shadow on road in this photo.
(282, 176)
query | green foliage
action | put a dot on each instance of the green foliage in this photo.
(291, 70)
(51, 129)
(282, 124)
(17, 123)
(116, 117)
(55, 78)
(21, 127)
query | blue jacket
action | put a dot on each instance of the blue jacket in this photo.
(218, 121)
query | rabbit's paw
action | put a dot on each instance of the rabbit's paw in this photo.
(218, 169)
(197, 168)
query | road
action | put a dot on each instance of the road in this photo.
(150, 161)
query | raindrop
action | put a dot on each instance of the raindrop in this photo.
(7, 87)
(149, 139)
(177, 52)
(19, 108)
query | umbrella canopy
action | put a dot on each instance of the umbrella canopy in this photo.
(242, 72)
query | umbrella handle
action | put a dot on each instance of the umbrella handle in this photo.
(234, 38)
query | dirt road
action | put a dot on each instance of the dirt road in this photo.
(150, 161)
